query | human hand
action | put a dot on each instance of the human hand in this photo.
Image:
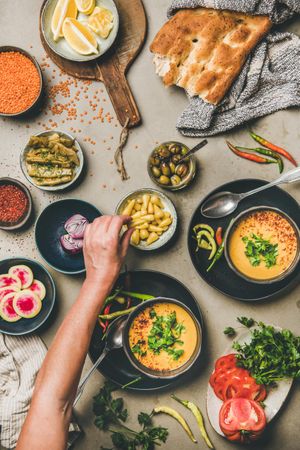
(103, 249)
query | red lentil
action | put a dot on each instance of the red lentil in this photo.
(19, 82)
(13, 203)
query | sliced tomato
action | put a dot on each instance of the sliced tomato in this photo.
(246, 388)
(218, 380)
(226, 362)
(242, 419)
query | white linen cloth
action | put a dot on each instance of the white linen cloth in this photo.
(20, 360)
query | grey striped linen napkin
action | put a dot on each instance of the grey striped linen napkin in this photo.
(20, 361)
(269, 81)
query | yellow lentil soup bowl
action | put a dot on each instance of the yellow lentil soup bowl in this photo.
(162, 338)
(262, 245)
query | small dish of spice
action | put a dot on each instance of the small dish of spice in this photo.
(20, 81)
(15, 204)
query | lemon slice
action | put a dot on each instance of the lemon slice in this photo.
(63, 9)
(79, 37)
(101, 21)
(86, 6)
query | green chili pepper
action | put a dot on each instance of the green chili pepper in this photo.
(137, 295)
(197, 413)
(217, 256)
(210, 240)
(115, 314)
(171, 412)
(267, 152)
(204, 245)
(204, 226)
(273, 147)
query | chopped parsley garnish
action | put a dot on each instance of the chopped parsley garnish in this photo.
(137, 348)
(165, 333)
(259, 249)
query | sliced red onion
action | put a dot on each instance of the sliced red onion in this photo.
(71, 245)
(76, 226)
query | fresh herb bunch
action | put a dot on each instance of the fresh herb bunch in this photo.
(259, 249)
(110, 412)
(271, 356)
(165, 333)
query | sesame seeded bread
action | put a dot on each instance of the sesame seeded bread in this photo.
(203, 50)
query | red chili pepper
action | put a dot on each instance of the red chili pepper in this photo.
(250, 156)
(106, 311)
(273, 147)
(219, 238)
(102, 325)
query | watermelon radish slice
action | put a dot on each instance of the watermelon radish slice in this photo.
(38, 288)
(7, 311)
(24, 273)
(27, 304)
(7, 290)
(8, 280)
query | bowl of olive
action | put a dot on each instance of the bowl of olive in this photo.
(167, 168)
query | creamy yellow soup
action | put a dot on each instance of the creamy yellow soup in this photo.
(141, 335)
(272, 227)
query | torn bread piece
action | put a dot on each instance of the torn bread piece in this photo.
(203, 50)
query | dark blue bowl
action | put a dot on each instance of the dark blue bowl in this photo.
(50, 226)
(25, 326)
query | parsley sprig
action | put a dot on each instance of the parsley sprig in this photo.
(259, 249)
(110, 412)
(165, 333)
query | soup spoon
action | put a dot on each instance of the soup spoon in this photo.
(114, 340)
(224, 203)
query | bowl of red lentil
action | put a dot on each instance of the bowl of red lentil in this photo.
(15, 204)
(21, 81)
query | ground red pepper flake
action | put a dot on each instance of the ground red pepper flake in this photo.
(19, 82)
(13, 203)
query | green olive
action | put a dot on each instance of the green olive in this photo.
(165, 169)
(181, 170)
(156, 171)
(175, 148)
(164, 152)
(184, 150)
(176, 159)
(172, 167)
(175, 179)
(154, 160)
(164, 180)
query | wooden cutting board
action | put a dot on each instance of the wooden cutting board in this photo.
(112, 67)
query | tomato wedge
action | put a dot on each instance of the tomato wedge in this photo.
(226, 362)
(242, 419)
(246, 388)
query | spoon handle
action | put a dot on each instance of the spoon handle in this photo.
(193, 150)
(288, 177)
(87, 376)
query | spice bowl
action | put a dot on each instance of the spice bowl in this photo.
(77, 171)
(25, 212)
(241, 240)
(165, 169)
(36, 100)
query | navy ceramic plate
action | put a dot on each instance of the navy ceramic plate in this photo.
(221, 277)
(25, 326)
(50, 226)
(116, 365)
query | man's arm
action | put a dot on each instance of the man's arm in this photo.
(46, 425)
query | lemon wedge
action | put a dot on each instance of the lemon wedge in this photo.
(79, 37)
(63, 9)
(101, 21)
(86, 6)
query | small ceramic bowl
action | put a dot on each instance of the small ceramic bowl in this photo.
(154, 373)
(9, 48)
(235, 223)
(166, 237)
(78, 169)
(62, 48)
(25, 326)
(50, 227)
(26, 216)
(186, 180)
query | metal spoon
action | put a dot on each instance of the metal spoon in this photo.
(114, 340)
(224, 203)
(193, 150)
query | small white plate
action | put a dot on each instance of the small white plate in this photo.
(273, 402)
(62, 48)
(78, 169)
(168, 207)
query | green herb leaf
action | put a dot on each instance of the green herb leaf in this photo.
(229, 331)
(247, 322)
(258, 249)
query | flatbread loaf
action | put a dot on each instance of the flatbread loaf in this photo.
(203, 50)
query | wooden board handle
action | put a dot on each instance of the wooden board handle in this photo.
(120, 93)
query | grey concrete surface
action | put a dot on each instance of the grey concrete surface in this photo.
(102, 186)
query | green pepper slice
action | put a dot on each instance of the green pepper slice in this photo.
(204, 226)
(211, 241)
